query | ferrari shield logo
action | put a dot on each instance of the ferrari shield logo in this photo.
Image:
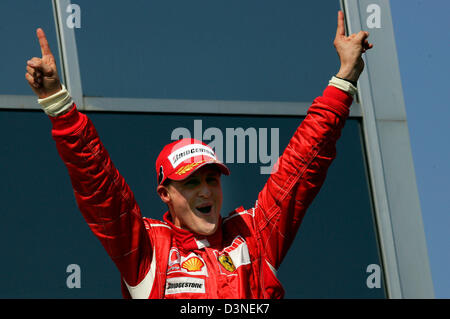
(226, 262)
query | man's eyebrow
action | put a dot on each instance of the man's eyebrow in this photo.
(213, 172)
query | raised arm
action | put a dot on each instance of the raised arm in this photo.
(301, 170)
(102, 195)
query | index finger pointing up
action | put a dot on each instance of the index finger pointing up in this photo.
(340, 24)
(45, 49)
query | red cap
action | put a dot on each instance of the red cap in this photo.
(178, 160)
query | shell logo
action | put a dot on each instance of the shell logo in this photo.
(192, 264)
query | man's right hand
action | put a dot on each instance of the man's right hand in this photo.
(42, 74)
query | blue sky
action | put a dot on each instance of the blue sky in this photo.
(422, 35)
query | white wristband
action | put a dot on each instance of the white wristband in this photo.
(57, 104)
(343, 85)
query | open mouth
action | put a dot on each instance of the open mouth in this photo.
(204, 209)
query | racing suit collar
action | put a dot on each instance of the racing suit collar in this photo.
(189, 241)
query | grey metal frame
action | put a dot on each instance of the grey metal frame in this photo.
(394, 190)
(70, 68)
(382, 111)
(202, 106)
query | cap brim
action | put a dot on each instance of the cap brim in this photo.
(179, 177)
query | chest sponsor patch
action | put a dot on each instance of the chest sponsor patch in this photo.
(191, 264)
(179, 285)
(227, 262)
(235, 255)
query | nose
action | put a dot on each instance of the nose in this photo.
(205, 190)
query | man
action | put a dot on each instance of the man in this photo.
(193, 252)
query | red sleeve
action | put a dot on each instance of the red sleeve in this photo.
(300, 174)
(103, 197)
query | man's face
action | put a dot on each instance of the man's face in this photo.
(195, 202)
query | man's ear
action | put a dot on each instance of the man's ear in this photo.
(163, 193)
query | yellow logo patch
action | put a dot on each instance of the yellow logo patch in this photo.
(192, 264)
(226, 262)
(186, 168)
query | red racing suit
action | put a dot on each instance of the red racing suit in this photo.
(157, 259)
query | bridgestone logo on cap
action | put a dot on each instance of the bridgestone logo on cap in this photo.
(189, 151)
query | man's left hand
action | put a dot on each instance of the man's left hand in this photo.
(350, 50)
